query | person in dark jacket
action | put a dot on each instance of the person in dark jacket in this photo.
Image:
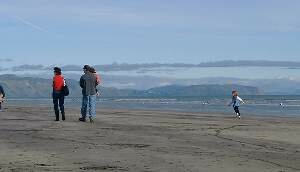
(2, 96)
(57, 95)
(88, 83)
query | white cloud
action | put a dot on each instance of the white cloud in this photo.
(30, 24)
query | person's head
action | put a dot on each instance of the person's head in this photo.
(86, 68)
(234, 93)
(57, 71)
(92, 70)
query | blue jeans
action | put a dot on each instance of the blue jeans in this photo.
(236, 109)
(88, 103)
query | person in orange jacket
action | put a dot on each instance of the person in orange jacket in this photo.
(57, 95)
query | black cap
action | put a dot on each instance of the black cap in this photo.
(86, 67)
(57, 69)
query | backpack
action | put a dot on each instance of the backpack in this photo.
(65, 90)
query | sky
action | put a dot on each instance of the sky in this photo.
(51, 32)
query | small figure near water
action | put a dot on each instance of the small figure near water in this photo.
(2, 97)
(236, 102)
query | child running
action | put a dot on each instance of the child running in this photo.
(236, 102)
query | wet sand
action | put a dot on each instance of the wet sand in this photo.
(147, 141)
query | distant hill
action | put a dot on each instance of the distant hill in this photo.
(26, 87)
(30, 87)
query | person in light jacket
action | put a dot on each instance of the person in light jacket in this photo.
(88, 83)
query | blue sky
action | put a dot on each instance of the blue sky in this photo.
(142, 31)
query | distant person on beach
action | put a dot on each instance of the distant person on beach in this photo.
(98, 80)
(236, 102)
(2, 96)
(88, 83)
(57, 95)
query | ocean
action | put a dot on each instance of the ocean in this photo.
(255, 105)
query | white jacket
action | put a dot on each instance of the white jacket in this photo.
(236, 101)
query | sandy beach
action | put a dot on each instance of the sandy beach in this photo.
(147, 141)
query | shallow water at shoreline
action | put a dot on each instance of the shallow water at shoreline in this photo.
(255, 105)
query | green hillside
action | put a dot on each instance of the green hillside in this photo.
(28, 87)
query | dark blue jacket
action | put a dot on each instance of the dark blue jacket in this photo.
(2, 91)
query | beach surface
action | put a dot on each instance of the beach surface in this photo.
(147, 141)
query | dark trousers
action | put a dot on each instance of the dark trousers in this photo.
(58, 102)
(236, 109)
(0, 105)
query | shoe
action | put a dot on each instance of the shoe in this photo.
(91, 120)
(56, 116)
(82, 119)
(63, 117)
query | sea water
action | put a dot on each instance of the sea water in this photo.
(255, 105)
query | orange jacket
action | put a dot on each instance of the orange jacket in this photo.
(58, 82)
(98, 79)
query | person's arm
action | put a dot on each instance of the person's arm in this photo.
(81, 82)
(98, 80)
(241, 100)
